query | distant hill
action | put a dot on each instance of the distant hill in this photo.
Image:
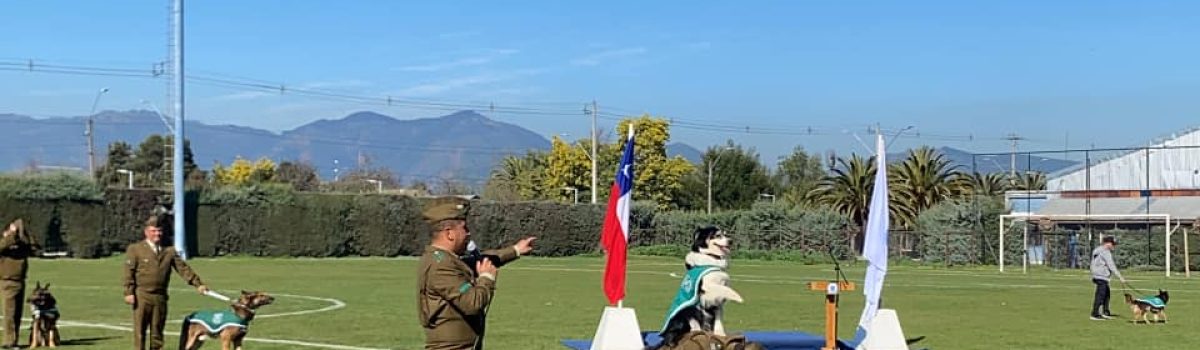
(965, 161)
(686, 151)
(462, 145)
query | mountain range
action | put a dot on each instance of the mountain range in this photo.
(969, 162)
(464, 145)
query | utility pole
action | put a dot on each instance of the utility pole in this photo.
(713, 163)
(595, 179)
(1013, 161)
(709, 186)
(90, 131)
(91, 149)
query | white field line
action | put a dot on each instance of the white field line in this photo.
(803, 280)
(334, 304)
(250, 339)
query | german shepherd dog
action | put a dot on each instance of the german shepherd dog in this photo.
(1144, 306)
(195, 331)
(44, 326)
(710, 247)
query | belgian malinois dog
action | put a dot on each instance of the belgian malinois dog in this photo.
(228, 325)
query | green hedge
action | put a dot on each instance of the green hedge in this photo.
(765, 227)
(57, 186)
(68, 214)
(86, 228)
(271, 221)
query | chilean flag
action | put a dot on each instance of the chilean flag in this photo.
(615, 234)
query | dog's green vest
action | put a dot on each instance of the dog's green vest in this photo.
(216, 321)
(1154, 302)
(689, 291)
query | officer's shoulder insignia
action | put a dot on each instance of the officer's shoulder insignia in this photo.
(438, 255)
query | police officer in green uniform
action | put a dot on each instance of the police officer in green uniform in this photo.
(146, 275)
(15, 249)
(452, 299)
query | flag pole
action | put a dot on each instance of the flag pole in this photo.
(618, 329)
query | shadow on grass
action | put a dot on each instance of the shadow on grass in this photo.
(84, 341)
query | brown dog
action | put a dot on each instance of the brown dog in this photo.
(1156, 305)
(230, 326)
(44, 326)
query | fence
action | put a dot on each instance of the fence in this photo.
(1080, 195)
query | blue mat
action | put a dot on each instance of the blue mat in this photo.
(769, 340)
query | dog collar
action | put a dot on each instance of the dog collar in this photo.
(247, 308)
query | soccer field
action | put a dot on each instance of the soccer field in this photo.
(364, 304)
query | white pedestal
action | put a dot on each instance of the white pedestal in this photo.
(884, 332)
(618, 330)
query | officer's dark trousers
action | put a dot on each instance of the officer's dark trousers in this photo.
(149, 314)
(13, 293)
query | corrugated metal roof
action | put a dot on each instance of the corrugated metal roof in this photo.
(1108, 156)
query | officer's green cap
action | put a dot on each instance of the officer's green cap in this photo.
(446, 208)
(154, 221)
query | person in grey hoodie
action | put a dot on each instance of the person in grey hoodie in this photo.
(1103, 268)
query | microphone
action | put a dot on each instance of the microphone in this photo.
(474, 255)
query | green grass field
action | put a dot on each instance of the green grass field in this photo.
(540, 301)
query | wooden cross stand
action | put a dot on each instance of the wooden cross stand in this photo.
(831, 289)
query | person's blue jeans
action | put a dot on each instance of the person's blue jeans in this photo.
(1102, 296)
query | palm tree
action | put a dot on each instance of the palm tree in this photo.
(978, 184)
(1030, 181)
(922, 180)
(848, 189)
(519, 177)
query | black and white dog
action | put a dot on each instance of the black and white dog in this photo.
(707, 262)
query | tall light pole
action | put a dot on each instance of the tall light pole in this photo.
(161, 116)
(127, 172)
(710, 174)
(999, 168)
(90, 131)
(378, 185)
(335, 170)
(177, 175)
(576, 192)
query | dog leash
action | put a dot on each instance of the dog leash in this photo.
(1129, 287)
(217, 296)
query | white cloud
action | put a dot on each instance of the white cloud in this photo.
(245, 95)
(486, 58)
(261, 94)
(458, 35)
(465, 81)
(60, 92)
(604, 56)
(336, 84)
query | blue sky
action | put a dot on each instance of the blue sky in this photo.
(1077, 73)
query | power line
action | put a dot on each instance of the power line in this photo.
(261, 85)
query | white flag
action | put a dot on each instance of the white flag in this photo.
(875, 244)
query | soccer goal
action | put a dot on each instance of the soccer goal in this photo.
(1007, 221)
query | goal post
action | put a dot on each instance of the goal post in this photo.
(1165, 219)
